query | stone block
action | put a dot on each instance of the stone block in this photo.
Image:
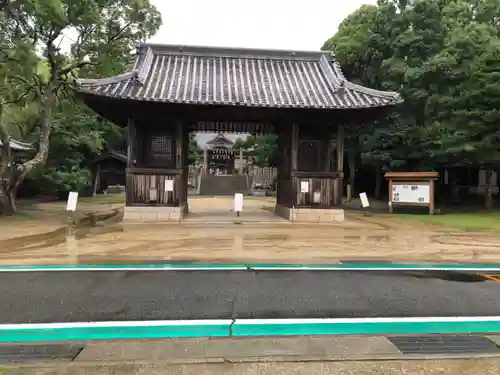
(310, 215)
(152, 214)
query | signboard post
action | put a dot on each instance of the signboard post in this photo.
(364, 200)
(238, 204)
(411, 189)
(72, 201)
(71, 205)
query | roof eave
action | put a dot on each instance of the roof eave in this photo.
(390, 95)
(394, 100)
(19, 146)
(85, 83)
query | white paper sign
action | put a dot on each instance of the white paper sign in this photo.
(72, 201)
(152, 194)
(411, 193)
(169, 185)
(364, 200)
(238, 202)
(317, 197)
(304, 186)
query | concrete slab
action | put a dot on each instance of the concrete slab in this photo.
(234, 350)
(495, 339)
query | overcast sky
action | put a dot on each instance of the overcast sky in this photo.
(279, 24)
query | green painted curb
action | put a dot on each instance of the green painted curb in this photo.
(242, 267)
(375, 328)
(112, 332)
(374, 266)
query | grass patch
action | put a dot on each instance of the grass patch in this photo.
(467, 220)
(104, 198)
(19, 217)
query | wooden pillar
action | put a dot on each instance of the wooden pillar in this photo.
(185, 162)
(294, 158)
(340, 164)
(97, 179)
(181, 140)
(132, 143)
(205, 161)
(131, 156)
(295, 147)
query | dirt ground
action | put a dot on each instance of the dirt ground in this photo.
(211, 235)
(434, 367)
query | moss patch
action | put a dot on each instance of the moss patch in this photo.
(469, 221)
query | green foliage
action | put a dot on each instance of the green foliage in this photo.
(443, 57)
(36, 76)
(61, 179)
(194, 150)
(262, 148)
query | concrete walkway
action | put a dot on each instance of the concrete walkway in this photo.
(284, 356)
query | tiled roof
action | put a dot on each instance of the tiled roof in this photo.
(220, 140)
(237, 77)
(18, 146)
(112, 154)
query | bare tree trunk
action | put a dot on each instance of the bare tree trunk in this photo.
(488, 197)
(9, 206)
(378, 182)
(47, 103)
(7, 199)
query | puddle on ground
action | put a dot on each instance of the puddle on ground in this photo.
(93, 241)
(455, 276)
(90, 224)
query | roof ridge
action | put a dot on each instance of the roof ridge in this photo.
(145, 65)
(233, 51)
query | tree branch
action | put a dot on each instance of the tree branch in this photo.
(72, 67)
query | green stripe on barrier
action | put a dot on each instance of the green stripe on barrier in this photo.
(110, 332)
(249, 327)
(368, 328)
(260, 267)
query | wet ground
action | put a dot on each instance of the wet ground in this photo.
(48, 297)
(212, 234)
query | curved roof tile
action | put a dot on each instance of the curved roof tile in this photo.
(237, 77)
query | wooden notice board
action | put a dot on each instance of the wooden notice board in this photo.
(411, 189)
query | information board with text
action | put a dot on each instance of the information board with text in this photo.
(408, 193)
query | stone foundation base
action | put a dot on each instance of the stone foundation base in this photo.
(145, 213)
(310, 215)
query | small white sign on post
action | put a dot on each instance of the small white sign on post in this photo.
(169, 185)
(364, 200)
(238, 203)
(72, 201)
(304, 186)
